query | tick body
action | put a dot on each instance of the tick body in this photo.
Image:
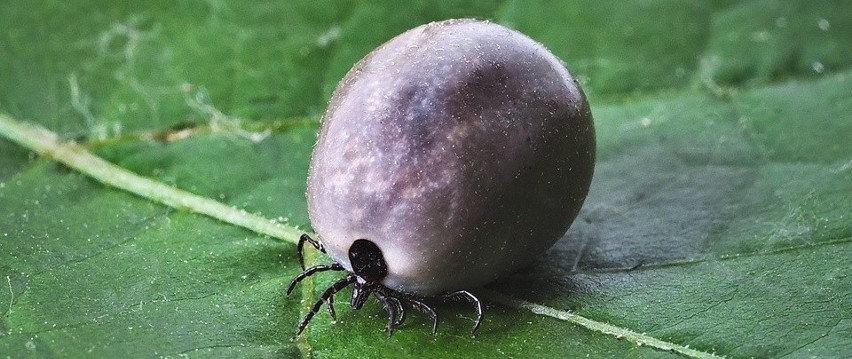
(453, 154)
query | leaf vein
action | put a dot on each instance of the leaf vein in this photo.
(618, 332)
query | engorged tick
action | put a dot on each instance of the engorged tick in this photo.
(453, 154)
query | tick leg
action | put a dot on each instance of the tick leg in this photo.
(391, 308)
(400, 310)
(423, 307)
(306, 238)
(311, 271)
(330, 307)
(463, 294)
(336, 287)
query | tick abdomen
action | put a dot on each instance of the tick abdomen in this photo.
(462, 149)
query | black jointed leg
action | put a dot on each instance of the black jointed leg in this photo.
(400, 318)
(391, 308)
(306, 238)
(336, 287)
(311, 271)
(463, 294)
(425, 308)
(330, 306)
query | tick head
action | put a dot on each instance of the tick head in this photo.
(367, 261)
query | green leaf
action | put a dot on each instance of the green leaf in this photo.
(718, 222)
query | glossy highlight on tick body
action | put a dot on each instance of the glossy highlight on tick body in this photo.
(453, 154)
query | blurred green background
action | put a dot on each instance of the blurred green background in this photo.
(724, 172)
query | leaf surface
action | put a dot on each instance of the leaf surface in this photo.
(718, 220)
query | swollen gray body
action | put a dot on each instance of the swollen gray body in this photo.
(462, 149)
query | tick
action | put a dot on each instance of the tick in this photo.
(455, 153)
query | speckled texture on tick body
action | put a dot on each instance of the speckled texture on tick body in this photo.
(462, 148)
